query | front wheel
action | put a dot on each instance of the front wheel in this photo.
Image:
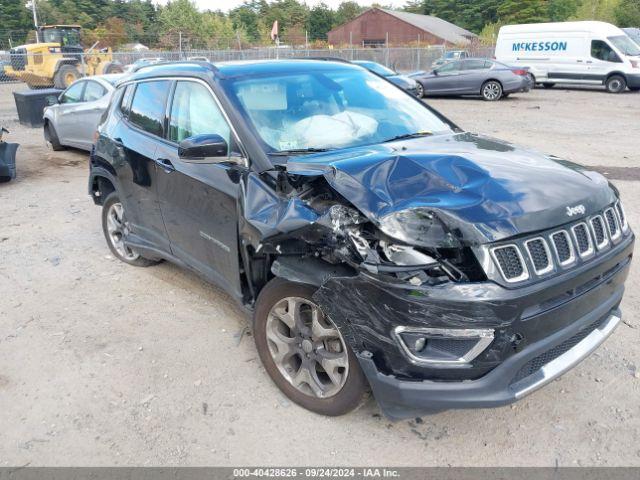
(491, 91)
(51, 137)
(304, 352)
(616, 84)
(115, 228)
(420, 90)
(66, 75)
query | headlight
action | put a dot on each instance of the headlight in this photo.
(418, 226)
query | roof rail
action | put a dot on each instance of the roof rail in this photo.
(325, 59)
(173, 62)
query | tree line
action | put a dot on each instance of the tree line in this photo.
(118, 22)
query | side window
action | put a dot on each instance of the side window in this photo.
(449, 67)
(475, 64)
(602, 51)
(125, 101)
(93, 91)
(73, 93)
(148, 106)
(194, 112)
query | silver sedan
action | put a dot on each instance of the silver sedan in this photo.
(474, 76)
(72, 121)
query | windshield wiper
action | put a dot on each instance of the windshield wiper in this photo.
(299, 151)
(408, 135)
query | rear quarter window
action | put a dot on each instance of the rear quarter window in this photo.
(148, 106)
(125, 102)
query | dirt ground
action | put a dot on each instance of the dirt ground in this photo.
(106, 364)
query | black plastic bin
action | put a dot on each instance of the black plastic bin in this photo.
(31, 103)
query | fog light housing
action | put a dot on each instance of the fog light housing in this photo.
(442, 347)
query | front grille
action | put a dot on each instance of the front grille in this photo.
(612, 224)
(621, 216)
(563, 247)
(583, 239)
(598, 230)
(510, 263)
(539, 254)
(18, 58)
(528, 258)
(535, 364)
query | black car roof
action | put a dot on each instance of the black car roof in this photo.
(235, 68)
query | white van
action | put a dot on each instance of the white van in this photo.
(587, 53)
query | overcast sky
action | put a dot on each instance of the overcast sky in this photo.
(226, 5)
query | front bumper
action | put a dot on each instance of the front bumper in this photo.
(557, 322)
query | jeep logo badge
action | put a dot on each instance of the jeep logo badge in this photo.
(577, 210)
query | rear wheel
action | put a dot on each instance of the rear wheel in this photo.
(66, 75)
(548, 85)
(304, 352)
(51, 137)
(616, 84)
(491, 91)
(115, 228)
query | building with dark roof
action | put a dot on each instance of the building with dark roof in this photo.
(377, 26)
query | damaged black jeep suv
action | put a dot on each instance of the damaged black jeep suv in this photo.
(377, 245)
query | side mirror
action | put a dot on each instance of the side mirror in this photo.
(435, 72)
(203, 146)
(51, 100)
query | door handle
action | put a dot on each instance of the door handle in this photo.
(165, 164)
(579, 61)
(589, 61)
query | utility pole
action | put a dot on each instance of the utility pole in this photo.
(180, 45)
(35, 19)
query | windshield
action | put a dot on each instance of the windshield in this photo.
(625, 45)
(63, 36)
(329, 109)
(634, 34)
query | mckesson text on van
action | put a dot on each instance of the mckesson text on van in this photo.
(539, 46)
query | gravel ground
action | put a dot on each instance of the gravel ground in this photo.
(106, 364)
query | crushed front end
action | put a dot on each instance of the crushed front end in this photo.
(459, 281)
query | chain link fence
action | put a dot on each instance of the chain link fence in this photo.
(44, 69)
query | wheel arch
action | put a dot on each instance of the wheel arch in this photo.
(101, 183)
(615, 72)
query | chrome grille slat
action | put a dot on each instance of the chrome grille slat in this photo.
(540, 255)
(510, 263)
(599, 232)
(563, 247)
(611, 220)
(582, 238)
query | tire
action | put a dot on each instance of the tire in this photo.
(548, 85)
(66, 75)
(491, 90)
(420, 90)
(112, 67)
(615, 84)
(113, 228)
(342, 394)
(51, 136)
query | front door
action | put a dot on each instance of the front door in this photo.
(94, 102)
(603, 60)
(198, 198)
(70, 102)
(443, 80)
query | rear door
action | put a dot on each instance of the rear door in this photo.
(136, 138)
(197, 197)
(472, 75)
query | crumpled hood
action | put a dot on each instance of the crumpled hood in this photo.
(485, 190)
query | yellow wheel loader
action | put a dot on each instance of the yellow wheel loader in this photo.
(58, 59)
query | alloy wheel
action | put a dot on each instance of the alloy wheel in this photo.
(116, 229)
(420, 89)
(491, 91)
(307, 348)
